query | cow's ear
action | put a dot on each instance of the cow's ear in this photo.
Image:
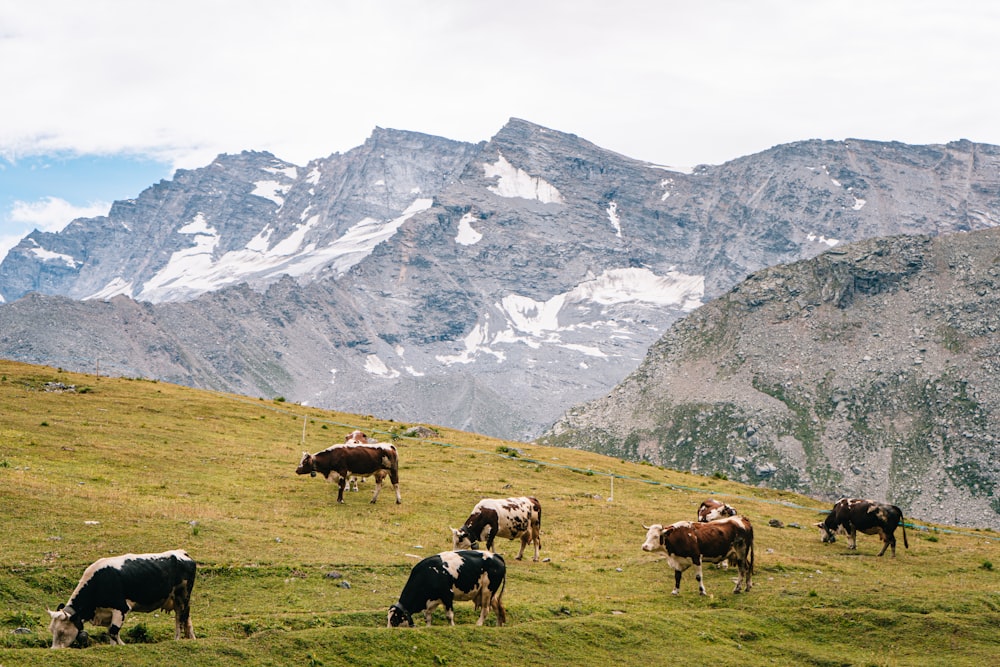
(59, 608)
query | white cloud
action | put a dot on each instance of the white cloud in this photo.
(53, 214)
(680, 83)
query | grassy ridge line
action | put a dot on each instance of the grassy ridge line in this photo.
(160, 466)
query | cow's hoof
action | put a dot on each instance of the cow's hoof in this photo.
(399, 502)
(674, 592)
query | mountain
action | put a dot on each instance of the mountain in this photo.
(487, 287)
(868, 371)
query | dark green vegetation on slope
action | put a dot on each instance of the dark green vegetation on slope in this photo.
(160, 466)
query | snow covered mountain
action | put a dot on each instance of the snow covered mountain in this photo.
(483, 286)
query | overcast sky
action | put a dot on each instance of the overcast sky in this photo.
(103, 98)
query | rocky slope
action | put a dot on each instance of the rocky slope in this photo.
(484, 286)
(870, 370)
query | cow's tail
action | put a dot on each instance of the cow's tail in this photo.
(394, 466)
(498, 602)
(902, 524)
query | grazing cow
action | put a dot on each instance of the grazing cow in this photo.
(479, 576)
(112, 587)
(688, 544)
(871, 518)
(361, 459)
(511, 518)
(712, 509)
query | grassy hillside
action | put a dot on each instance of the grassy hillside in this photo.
(119, 465)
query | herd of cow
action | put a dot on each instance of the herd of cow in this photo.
(112, 587)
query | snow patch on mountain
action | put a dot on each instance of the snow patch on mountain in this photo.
(272, 190)
(615, 220)
(466, 234)
(49, 256)
(536, 323)
(195, 270)
(513, 182)
(375, 366)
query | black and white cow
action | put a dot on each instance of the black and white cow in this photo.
(509, 517)
(852, 515)
(442, 579)
(112, 587)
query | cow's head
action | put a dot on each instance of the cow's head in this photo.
(826, 533)
(356, 438)
(460, 539)
(66, 627)
(653, 535)
(306, 465)
(398, 616)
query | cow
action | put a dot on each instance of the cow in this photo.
(361, 459)
(509, 517)
(355, 437)
(687, 543)
(712, 509)
(112, 587)
(851, 515)
(479, 576)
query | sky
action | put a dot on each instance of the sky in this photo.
(104, 98)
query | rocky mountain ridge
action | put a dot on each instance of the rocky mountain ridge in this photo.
(484, 286)
(868, 371)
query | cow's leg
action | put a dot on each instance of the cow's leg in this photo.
(741, 568)
(182, 612)
(483, 604)
(394, 478)
(379, 476)
(852, 539)
(536, 539)
(677, 582)
(341, 483)
(449, 611)
(887, 541)
(697, 575)
(117, 620)
(524, 543)
(491, 533)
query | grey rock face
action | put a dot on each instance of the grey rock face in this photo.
(484, 286)
(869, 371)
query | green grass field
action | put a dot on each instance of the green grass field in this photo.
(288, 577)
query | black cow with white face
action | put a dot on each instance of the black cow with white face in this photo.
(112, 587)
(479, 576)
(854, 515)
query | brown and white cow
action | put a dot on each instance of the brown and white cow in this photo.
(376, 459)
(687, 543)
(712, 509)
(507, 517)
(355, 437)
(851, 515)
